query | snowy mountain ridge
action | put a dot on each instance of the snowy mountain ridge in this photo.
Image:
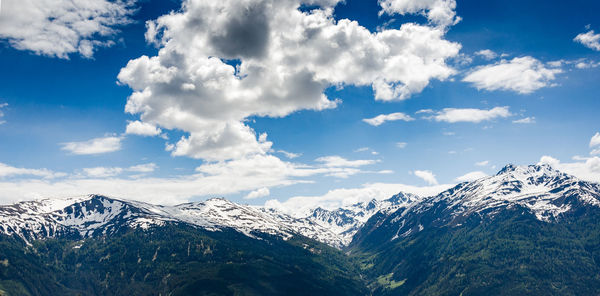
(347, 220)
(546, 192)
(93, 215)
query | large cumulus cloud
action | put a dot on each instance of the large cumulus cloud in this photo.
(221, 62)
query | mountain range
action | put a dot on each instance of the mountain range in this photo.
(526, 230)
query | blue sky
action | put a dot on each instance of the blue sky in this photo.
(107, 106)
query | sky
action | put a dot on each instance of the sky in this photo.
(291, 103)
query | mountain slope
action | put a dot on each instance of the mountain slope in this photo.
(527, 230)
(176, 259)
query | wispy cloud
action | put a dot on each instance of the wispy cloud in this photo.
(2, 105)
(94, 146)
(10, 171)
(453, 115)
(595, 140)
(487, 54)
(472, 176)
(523, 75)
(526, 120)
(337, 161)
(380, 119)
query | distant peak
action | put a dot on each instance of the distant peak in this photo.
(97, 196)
(508, 168)
(218, 199)
(534, 168)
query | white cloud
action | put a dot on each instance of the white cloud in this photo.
(300, 206)
(453, 115)
(439, 12)
(290, 155)
(585, 64)
(337, 161)
(380, 119)
(487, 54)
(258, 193)
(58, 28)
(482, 163)
(523, 75)
(2, 105)
(425, 111)
(94, 146)
(142, 129)
(472, 176)
(589, 40)
(143, 168)
(10, 171)
(427, 176)
(401, 145)
(595, 140)
(210, 179)
(102, 172)
(588, 170)
(286, 59)
(526, 120)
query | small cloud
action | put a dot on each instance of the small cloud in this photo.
(380, 119)
(258, 193)
(337, 161)
(427, 176)
(449, 133)
(289, 155)
(526, 120)
(102, 172)
(142, 129)
(487, 54)
(482, 163)
(401, 145)
(595, 140)
(426, 111)
(10, 171)
(366, 149)
(589, 40)
(143, 168)
(94, 146)
(453, 115)
(523, 75)
(472, 176)
(2, 105)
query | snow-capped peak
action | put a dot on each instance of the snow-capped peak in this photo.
(347, 220)
(93, 215)
(540, 188)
